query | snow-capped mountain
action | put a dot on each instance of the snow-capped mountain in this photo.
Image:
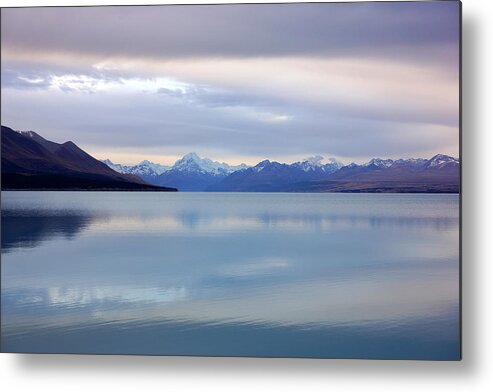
(193, 173)
(191, 162)
(149, 168)
(441, 161)
(438, 174)
(261, 165)
(146, 170)
(143, 168)
(317, 164)
(411, 163)
(378, 162)
(386, 163)
(190, 173)
(115, 166)
(271, 176)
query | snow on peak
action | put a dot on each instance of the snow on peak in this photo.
(382, 163)
(261, 165)
(148, 167)
(115, 166)
(440, 160)
(193, 163)
(191, 156)
(315, 161)
(143, 168)
(415, 163)
(318, 162)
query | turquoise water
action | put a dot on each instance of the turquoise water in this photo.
(285, 275)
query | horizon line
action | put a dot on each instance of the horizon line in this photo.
(181, 156)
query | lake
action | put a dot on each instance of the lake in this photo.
(231, 274)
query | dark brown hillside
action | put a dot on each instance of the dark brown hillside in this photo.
(28, 159)
(71, 157)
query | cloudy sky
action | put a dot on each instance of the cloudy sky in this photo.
(236, 83)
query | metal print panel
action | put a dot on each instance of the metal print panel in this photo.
(266, 180)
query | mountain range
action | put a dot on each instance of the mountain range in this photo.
(31, 162)
(190, 173)
(440, 173)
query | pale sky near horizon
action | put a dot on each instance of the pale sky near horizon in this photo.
(236, 83)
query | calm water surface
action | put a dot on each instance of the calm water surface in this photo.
(298, 275)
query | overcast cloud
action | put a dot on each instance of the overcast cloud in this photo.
(237, 82)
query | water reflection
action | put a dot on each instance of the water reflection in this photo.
(20, 231)
(305, 275)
